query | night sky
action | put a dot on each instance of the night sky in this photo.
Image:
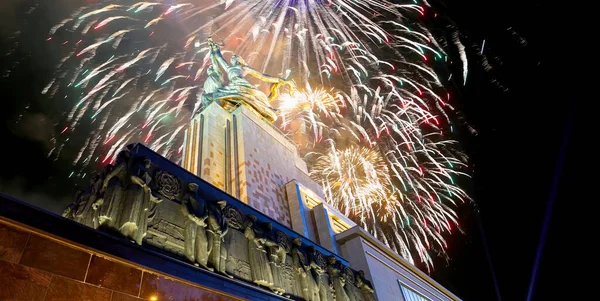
(514, 153)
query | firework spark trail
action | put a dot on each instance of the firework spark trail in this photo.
(369, 99)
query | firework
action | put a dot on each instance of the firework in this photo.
(136, 70)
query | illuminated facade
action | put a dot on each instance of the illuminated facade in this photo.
(253, 161)
(242, 221)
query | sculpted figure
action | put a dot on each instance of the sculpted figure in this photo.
(214, 82)
(365, 286)
(350, 284)
(309, 287)
(72, 207)
(113, 191)
(195, 214)
(240, 91)
(217, 228)
(276, 259)
(257, 255)
(334, 269)
(318, 269)
(81, 210)
(139, 203)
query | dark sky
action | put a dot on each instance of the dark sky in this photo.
(513, 154)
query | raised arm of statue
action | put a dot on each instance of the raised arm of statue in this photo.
(216, 56)
(215, 66)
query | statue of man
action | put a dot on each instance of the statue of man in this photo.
(196, 243)
(217, 229)
(241, 91)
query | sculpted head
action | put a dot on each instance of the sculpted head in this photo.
(193, 187)
(297, 242)
(222, 204)
(331, 259)
(268, 227)
(251, 220)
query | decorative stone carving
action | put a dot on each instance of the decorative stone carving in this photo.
(334, 269)
(113, 190)
(257, 255)
(365, 286)
(124, 199)
(139, 204)
(167, 184)
(195, 215)
(217, 229)
(234, 217)
(277, 255)
(302, 271)
(282, 240)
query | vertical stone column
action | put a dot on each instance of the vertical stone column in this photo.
(324, 230)
(298, 217)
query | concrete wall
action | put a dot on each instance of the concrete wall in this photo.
(384, 271)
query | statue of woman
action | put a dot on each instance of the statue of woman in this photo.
(241, 91)
(257, 255)
(276, 259)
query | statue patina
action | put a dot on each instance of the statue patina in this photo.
(240, 91)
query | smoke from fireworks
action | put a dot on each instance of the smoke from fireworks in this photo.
(368, 78)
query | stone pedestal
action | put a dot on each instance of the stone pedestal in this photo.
(246, 157)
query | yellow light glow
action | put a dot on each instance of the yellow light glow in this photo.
(153, 298)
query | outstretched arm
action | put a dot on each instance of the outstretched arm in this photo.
(260, 76)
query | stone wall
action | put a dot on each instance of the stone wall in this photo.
(38, 267)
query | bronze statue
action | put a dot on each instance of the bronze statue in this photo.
(240, 91)
(257, 255)
(217, 229)
(213, 83)
(195, 215)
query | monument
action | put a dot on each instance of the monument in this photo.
(241, 209)
(152, 202)
(232, 144)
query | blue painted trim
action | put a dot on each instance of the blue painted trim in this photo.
(302, 209)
